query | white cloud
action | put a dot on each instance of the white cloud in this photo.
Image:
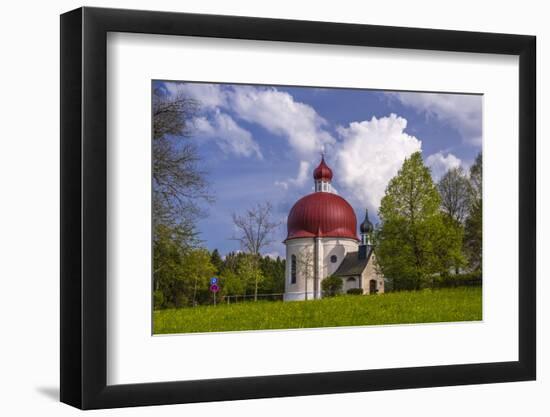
(303, 175)
(463, 112)
(280, 114)
(274, 110)
(210, 96)
(228, 135)
(370, 154)
(440, 164)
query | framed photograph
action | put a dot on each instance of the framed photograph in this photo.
(256, 208)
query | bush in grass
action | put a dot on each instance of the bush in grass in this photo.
(355, 291)
(332, 286)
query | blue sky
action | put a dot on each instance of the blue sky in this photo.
(261, 143)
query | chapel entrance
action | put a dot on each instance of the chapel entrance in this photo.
(372, 287)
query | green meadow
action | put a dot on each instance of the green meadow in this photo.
(406, 307)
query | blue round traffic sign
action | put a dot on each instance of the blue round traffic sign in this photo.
(214, 288)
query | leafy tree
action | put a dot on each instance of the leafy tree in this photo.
(232, 284)
(473, 233)
(414, 242)
(448, 247)
(181, 275)
(196, 270)
(250, 272)
(167, 258)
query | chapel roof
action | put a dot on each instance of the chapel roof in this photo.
(352, 265)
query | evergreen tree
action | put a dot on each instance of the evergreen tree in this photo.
(273, 271)
(216, 260)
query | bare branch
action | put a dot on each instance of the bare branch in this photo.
(255, 228)
(179, 186)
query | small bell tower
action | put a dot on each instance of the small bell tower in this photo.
(366, 228)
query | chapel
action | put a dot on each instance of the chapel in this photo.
(322, 241)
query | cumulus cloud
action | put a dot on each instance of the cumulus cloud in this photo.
(276, 111)
(280, 114)
(369, 154)
(301, 178)
(463, 112)
(440, 164)
(227, 134)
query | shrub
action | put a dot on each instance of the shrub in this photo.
(355, 291)
(332, 286)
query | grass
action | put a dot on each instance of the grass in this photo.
(425, 306)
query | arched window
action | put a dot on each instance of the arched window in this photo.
(333, 259)
(293, 269)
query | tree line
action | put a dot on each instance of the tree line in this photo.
(241, 276)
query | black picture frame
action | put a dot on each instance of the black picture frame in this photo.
(84, 207)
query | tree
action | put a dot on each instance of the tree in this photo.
(255, 228)
(167, 258)
(449, 245)
(232, 284)
(454, 189)
(178, 185)
(332, 286)
(249, 271)
(181, 275)
(473, 239)
(413, 242)
(273, 271)
(216, 260)
(473, 233)
(254, 233)
(476, 178)
(196, 270)
(178, 189)
(305, 267)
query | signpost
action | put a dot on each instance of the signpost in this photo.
(214, 288)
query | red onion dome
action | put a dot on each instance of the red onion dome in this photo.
(322, 172)
(322, 215)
